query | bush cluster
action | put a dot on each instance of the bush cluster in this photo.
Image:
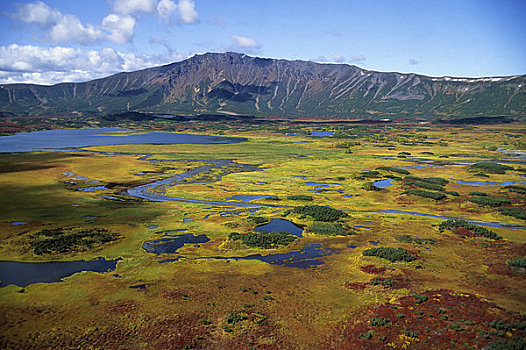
(492, 168)
(516, 189)
(329, 229)
(320, 213)
(512, 211)
(426, 185)
(63, 240)
(265, 240)
(517, 262)
(299, 197)
(489, 201)
(391, 254)
(432, 180)
(394, 170)
(417, 240)
(426, 194)
(459, 223)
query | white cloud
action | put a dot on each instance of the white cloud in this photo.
(120, 27)
(59, 28)
(246, 42)
(338, 58)
(165, 8)
(357, 59)
(38, 13)
(69, 29)
(128, 7)
(187, 12)
(33, 64)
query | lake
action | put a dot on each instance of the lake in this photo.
(23, 273)
(57, 140)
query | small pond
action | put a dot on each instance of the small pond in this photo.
(280, 225)
(383, 183)
(172, 244)
(23, 274)
(245, 198)
(317, 134)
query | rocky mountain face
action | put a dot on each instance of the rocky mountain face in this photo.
(240, 84)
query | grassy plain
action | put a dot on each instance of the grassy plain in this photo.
(187, 303)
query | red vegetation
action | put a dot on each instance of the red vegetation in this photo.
(433, 320)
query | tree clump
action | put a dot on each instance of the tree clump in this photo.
(64, 240)
(426, 194)
(393, 170)
(463, 224)
(265, 240)
(391, 254)
(329, 229)
(492, 168)
(320, 213)
(515, 212)
(489, 201)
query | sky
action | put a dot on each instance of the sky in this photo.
(52, 41)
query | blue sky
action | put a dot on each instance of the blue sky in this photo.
(50, 41)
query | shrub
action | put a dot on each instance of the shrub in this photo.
(368, 186)
(63, 240)
(426, 194)
(477, 193)
(433, 180)
(517, 262)
(515, 212)
(235, 317)
(370, 173)
(489, 201)
(459, 223)
(516, 188)
(328, 229)
(419, 298)
(452, 193)
(257, 219)
(379, 321)
(417, 240)
(492, 168)
(299, 197)
(266, 240)
(391, 254)
(394, 170)
(320, 213)
(426, 185)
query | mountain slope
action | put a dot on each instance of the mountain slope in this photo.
(237, 83)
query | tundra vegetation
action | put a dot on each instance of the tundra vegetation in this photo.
(375, 268)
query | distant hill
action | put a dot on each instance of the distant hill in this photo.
(239, 84)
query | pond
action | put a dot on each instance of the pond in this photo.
(490, 183)
(246, 198)
(55, 140)
(317, 134)
(280, 225)
(172, 244)
(309, 256)
(383, 183)
(23, 274)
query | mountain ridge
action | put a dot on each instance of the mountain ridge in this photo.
(241, 84)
